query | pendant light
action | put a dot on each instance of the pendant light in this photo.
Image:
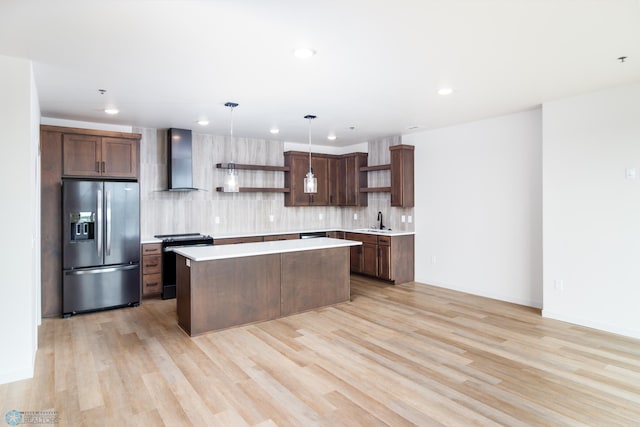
(231, 184)
(310, 181)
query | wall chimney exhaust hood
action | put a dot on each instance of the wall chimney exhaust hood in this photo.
(179, 160)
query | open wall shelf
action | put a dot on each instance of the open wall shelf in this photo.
(254, 167)
(375, 168)
(257, 190)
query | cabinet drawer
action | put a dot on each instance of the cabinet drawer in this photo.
(274, 237)
(151, 264)
(151, 249)
(235, 240)
(384, 240)
(151, 284)
(362, 237)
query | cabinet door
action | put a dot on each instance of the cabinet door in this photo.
(355, 259)
(370, 259)
(321, 171)
(351, 179)
(334, 181)
(402, 175)
(81, 155)
(119, 158)
(384, 262)
(294, 179)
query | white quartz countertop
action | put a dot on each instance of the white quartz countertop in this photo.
(210, 253)
(271, 233)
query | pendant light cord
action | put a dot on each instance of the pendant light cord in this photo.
(309, 117)
(309, 143)
(231, 105)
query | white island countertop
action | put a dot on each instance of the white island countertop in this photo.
(209, 253)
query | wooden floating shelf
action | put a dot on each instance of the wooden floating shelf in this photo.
(258, 190)
(375, 190)
(254, 167)
(375, 168)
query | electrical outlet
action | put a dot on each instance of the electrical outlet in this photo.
(409, 219)
(271, 218)
(558, 284)
(320, 217)
(217, 220)
(434, 260)
(403, 218)
(355, 216)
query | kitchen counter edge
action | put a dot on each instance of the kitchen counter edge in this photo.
(211, 253)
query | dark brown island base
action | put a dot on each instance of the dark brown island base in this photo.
(223, 286)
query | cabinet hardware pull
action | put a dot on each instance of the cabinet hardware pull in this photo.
(151, 265)
(97, 166)
(152, 284)
(103, 168)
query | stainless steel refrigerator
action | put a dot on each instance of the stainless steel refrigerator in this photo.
(101, 245)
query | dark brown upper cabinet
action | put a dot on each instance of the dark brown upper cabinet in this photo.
(97, 156)
(402, 175)
(339, 179)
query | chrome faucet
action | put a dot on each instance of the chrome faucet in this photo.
(380, 225)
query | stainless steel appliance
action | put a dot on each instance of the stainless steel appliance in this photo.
(101, 245)
(169, 243)
(313, 234)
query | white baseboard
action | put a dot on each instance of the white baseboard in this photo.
(627, 332)
(21, 374)
(478, 292)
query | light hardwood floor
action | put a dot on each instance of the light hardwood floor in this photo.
(395, 355)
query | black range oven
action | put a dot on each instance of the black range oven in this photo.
(169, 243)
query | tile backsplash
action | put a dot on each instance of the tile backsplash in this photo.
(208, 211)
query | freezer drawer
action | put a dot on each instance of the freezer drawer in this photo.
(98, 288)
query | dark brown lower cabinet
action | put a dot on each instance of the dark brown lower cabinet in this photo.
(236, 240)
(384, 258)
(218, 294)
(370, 258)
(389, 258)
(355, 259)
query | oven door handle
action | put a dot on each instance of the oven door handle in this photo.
(171, 248)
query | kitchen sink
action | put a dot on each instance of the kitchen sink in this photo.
(374, 230)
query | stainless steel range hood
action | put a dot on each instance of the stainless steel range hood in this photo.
(179, 160)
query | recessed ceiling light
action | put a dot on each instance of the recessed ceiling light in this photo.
(203, 122)
(445, 91)
(111, 110)
(274, 131)
(303, 52)
(331, 137)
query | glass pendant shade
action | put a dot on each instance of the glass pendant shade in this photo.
(310, 181)
(231, 184)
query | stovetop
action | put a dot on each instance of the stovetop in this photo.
(182, 237)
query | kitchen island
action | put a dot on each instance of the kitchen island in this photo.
(223, 286)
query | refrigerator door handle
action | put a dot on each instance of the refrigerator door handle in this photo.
(108, 222)
(99, 222)
(82, 271)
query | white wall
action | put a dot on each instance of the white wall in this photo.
(478, 207)
(18, 255)
(592, 211)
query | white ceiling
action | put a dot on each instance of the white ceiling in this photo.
(378, 66)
